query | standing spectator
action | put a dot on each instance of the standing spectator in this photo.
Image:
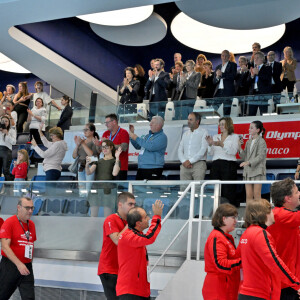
(200, 60)
(152, 148)
(11, 113)
(285, 231)
(241, 79)
(20, 171)
(113, 226)
(276, 72)
(104, 169)
(37, 117)
(85, 147)
(224, 147)
(289, 65)
(17, 244)
(120, 138)
(263, 269)
(8, 95)
(176, 80)
(21, 102)
(232, 57)
(1, 223)
(65, 119)
(192, 150)
(254, 157)
(7, 140)
(147, 90)
(133, 281)
(297, 170)
(177, 58)
(207, 81)
(55, 153)
(255, 48)
(225, 74)
(129, 87)
(222, 264)
(140, 76)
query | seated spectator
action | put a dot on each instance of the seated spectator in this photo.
(7, 140)
(276, 72)
(39, 88)
(232, 57)
(241, 79)
(152, 148)
(85, 147)
(65, 120)
(55, 153)
(140, 76)
(201, 58)
(8, 95)
(20, 171)
(129, 88)
(207, 84)
(104, 169)
(21, 102)
(177, 78)
(289, 65)
(37, 117)
(11, 114)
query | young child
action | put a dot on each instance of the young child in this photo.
(20, 171)
(254, 156)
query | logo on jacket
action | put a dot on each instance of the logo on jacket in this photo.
(244, 241)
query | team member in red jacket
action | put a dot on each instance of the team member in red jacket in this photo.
(263, 269)
(221, 262)
(285, 196)
(113, 226)
(133, 277)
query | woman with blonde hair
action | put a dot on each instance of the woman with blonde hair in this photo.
(289, 65)
(20, 171)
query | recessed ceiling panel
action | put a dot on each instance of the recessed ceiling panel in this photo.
(8, 65)
(241, 14)
(144, 33)
(211, 39)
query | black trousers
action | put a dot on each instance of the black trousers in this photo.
(132, 297)
(245, 297)
(149, 174)
(11, 279)
(121, 176)
(109, 282)
(225, 170)
(289, 84)
(289, 294)
(34, 133)
(22, 117)
(5, 162)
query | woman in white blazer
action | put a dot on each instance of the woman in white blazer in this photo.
(254, 156)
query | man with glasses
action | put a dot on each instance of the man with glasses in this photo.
(17, 240)
(120, 138)
(113, 226)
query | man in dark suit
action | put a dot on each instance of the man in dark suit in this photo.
(276, 72)
(175, 82)
(158, 83)
(241, 79)
(65, 120)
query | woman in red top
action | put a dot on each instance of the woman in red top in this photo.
(20, 171)
(263, 269)
(222, 265)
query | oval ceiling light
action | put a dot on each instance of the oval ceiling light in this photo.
(241, 14)
(8, 65)
(211, 39)
(120, 17)
(145, 33)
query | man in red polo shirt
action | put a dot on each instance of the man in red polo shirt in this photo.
(113, 226)
(17, 238)
(285, 196)
(119, 137)
(134, 276)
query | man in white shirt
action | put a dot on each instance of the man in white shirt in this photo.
(192, 150)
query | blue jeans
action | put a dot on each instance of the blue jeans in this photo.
(18, 186)
(52, 175)
(82, 176)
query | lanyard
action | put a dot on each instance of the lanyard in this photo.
(114, 135)
(149, 137)
(121, 218)
(27, 233)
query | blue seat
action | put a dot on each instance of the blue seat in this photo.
(38, 202)
(2, 179)
(266, 187)
(38, 186)
(281, 176)
(22, 138)
(53, 206)
(77, 207)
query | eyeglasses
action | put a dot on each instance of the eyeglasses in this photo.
(28, 208)
(233, 217)
(107, 122)
(105, 147)
(85, 129)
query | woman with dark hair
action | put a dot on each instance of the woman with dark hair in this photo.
(37, 116)
(263, 269)
(254, 157)
(65, 120)
(207, 83)
(85, 147)
(222, 264)
(140, 76)
(7, 140)
(104, 169)
(21, 102)
(129, 88)
(224, 147)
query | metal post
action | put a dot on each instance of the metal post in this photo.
(190, 228)
(200, 221)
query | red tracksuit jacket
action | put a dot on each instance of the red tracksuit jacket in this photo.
(286, 235)
(133, 260)
(222, 267)
(263, 269)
